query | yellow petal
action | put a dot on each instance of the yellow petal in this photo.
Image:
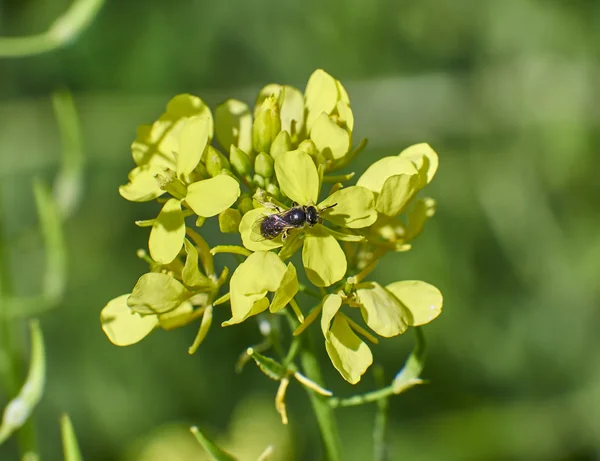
(331, 305)
(142, 186)
(211, 196)
(423, 301)
(233, 122)
(292, 111)
(323, 258)
(397, 192)
(424, 157)
(331, 140)
(157, 293)
(192, 142)
(321, 95)
(376, 175)
(123, 326)
(348, 353)
(355, 207)
(381, 310)
(191, 274)
(287, 289)
(298, 177)
(168, 233)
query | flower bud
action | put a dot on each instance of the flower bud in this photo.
(245, 205)
(259, 181)
(267, 125)
(229, 221)
(309, 147)
(263, 165)
(273, 190)
(240, 162)
(216, 161)
(281, 144)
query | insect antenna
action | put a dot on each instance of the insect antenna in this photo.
(328, 207)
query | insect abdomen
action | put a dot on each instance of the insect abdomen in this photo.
(271, 227)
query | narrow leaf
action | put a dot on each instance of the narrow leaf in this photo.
(215, 453)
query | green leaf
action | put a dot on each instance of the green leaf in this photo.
(329, 138)
(424, 157)
(192, 142)
(191, 275)
(287, 289)
(397, 192)
(323, 258)
(211, 196)
(321, 95)
(69, 440)
(122, 326)
(421, 211)
(422, 300)
(381, 310)
(331, 306)
(142, 186)
(157, 293)
(233, 122)
(348, 353)
(19, 409)
(168, 233)
(247, 231)
(355, 207)
(215, 453)
(298, 177)
(376, 175)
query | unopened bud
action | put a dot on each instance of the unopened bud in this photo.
(263, 165)
(309, 147)
(273, 190)
(240, 162)
(245, 205)
(281, 144)
(267, 125)
(216, 161)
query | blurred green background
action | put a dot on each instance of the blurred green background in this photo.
(505, 91)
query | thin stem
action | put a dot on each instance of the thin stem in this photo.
(361, 399)
(9, 363)
(323, 412)
(379, 430)
(304, 289)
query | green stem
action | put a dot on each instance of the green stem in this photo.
(369, 397)
(380, 428)
(323, 411)
(63, 31)
(9, 362)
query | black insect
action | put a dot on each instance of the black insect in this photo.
(271, 226)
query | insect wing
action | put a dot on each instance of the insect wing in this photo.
(256, 230)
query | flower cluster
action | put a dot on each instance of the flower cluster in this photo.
(246, 166)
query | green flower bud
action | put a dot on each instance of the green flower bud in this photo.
(229, 220)
(240, 162)
(245, 205)
(216, 161)
(281, 144)
(263, 165)
(266, 126)
(169, 182)
(309, 147)
(260, 181)
(273, 190)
